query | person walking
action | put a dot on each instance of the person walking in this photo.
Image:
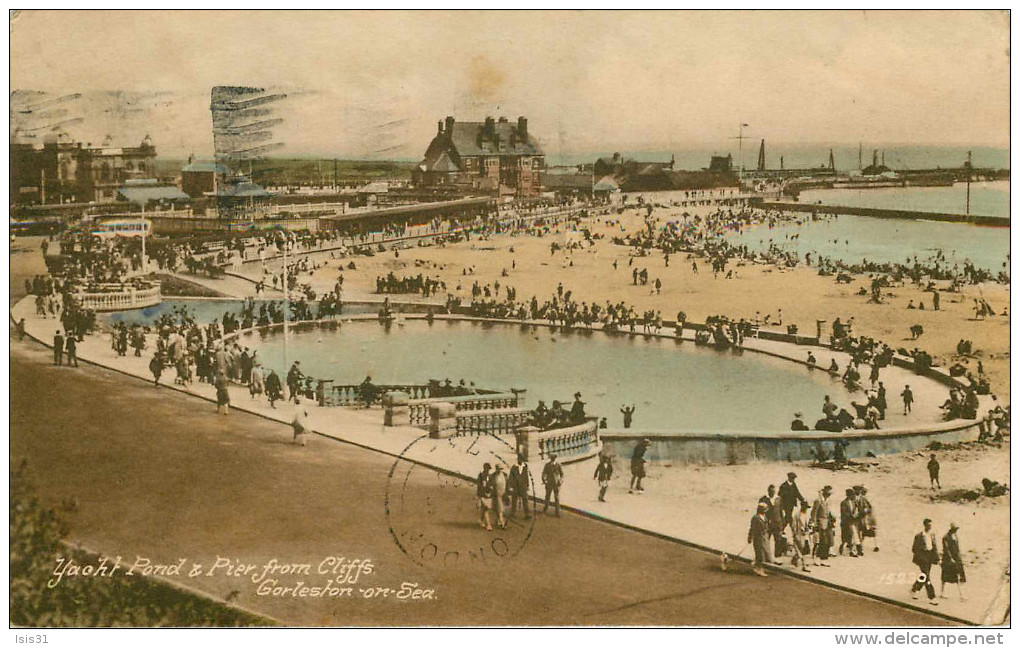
(274, 389)
(222, 394)
(20, 329)
(483, 489)
(774, 514)
(58, 348)
(908, 399)
(800, 533)
(156, 368)
(821, 520)
(519, 484)
(300, 422)
(498, 489)
(757, 537)
(926, 553)
(952, 562)
(603, 473)
(789, 496)
(637, 466)
(552, 478)
(257, 383)
(867, 521)
(71, 350)
(848, 524)
(933, 472)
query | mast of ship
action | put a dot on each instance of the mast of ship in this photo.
(740, 155)
(969, 166)
(860, 156)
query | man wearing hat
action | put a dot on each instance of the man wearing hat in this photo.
(757, 537)
(822, 519)
(552, 477)
(848, 524)
(637, 465)
(789, 495)
(519, 485)
(798, 424)
(926, 554)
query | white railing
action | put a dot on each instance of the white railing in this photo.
(114, 297)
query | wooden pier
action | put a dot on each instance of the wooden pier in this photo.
(987, 221)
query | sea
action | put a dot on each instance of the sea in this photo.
(854, 239)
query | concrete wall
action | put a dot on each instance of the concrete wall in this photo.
(740, 448)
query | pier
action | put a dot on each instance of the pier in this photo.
(970, 219)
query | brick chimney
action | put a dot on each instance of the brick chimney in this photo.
(522, 129)
(440, 131)
(490, 126)
(449, 126)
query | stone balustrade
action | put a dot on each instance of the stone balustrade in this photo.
(418, 408)
(330, 395)
(491, 421)
(446, 421)
(115, 297)
(569, 444)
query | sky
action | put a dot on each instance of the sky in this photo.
(374, 84)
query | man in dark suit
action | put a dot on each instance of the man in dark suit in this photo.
(758, 538)
(789, 495)
(58, 348)
(848, 524)
(520, 484)
(926, 554)
(552, 477)
(71, 348)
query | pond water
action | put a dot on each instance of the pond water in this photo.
(675, 387)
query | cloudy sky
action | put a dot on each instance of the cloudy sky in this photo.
(375, 83)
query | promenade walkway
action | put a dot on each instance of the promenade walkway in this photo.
(666, 513)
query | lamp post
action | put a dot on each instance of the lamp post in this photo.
(286, 298)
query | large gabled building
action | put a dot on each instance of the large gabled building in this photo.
(493, 156)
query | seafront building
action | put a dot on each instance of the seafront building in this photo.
(492, 156)
(64, 171)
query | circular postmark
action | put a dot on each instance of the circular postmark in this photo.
(435, 515)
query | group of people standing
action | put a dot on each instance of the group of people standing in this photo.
(785, 523)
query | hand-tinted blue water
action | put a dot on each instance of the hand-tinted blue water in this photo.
(205, 311)
(855, 238)
(674, 387)
(986, 198)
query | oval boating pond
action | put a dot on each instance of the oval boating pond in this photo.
(674, 386)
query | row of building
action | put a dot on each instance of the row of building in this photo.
(495, 157)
